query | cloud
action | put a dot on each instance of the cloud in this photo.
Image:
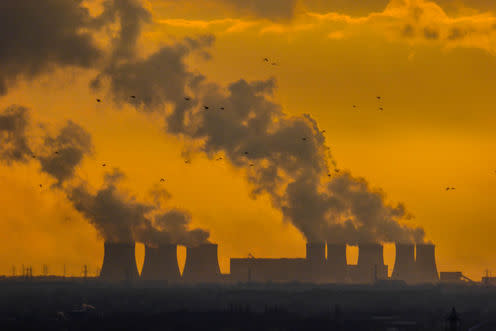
(38, 36)
(14, 145)
(63, 153)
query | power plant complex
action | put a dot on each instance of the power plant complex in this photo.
(414, 264)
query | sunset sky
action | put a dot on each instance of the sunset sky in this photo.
(433, 63)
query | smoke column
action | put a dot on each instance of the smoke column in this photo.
(284, 156)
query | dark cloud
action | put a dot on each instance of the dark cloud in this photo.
(37, 36)
(347, 7)
(14, 146)
(431, 33)
(65, 152)
(455, 7)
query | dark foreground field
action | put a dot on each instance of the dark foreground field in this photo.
(85, 305)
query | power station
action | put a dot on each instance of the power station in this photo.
(414, 264)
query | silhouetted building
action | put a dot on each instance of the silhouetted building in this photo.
(119, 262)
(202, 264)
(425, 264)
(370, 265)
(336, 265)
(161, 264)
(269, 270)
(404, 265)
(316, 262)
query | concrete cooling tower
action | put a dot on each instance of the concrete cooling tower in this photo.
(404, 264)
(202, 264)
(316, 262)
(119, 262)
(425, 264)
(370, 265)
(161, 264)
(336, 263)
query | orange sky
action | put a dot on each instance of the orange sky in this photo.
(436, 129)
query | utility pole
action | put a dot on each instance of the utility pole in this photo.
(85, 271)
(13, 271)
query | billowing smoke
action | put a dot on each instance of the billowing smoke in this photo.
(14, 146)
(37, 36)
(65, 151)
(284, 156)
(119, 217)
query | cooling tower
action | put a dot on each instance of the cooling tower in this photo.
(161, 264)
(336, 262)
(425, 264)
(316, 261)
(202, 265)
(119, 262)
(370, 265)
(404, 264)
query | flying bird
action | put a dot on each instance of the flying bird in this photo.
(378, 98)
(323, 131)
(218, 159)
(329, 175)
(98, 100)
(133, 97)
(187, 161)
(266, 59)
(274, 64)
(162, 180)
(381, 109)
(304, 139)
(336, 170)
(205, 107)
(56, 152)
(41, 185)
(104, 165)
(246, 153)
(252, 165)
(187, 98)
(221, 108)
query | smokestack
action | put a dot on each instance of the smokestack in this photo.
(370, 265)
(404, 264)
(119, 262)
(202, 264)
(425, 264)
(161, 264)
(336, 262)
(316, 261)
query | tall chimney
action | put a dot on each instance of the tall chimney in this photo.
(425, 264)
(370, 265)
(404, 264)
(161, 264)
(336, 262)
(316, 261)
(202, 264)
(119, 262)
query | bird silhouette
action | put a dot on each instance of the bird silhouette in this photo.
(104, 165)
(56, 152)
(354, 106)
(323, 131)
(252, 165)
(187, 161)
(336, 170)
(329, 175)
(205, 107)
(41, 185)
(218, 159)
(266, 59)
(381, 109)
(304, 139)
(133, 97)
(274, 63)
(162, 180)
(187, 98)
(98, 100)
(246, 153)
(378, 98)
(34, 156)
(221, 108)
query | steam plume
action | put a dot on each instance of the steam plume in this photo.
(285, 156)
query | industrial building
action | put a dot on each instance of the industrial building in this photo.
(202, 265)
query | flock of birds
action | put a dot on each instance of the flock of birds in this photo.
(206, 108)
